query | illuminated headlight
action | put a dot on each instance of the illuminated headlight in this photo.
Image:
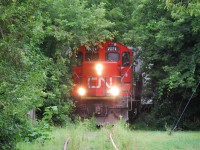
(81, 91)
(114, 91)
(99, 68)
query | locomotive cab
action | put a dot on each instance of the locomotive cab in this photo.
(103, 82)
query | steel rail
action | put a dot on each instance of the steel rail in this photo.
(113, 143)
(66, 144)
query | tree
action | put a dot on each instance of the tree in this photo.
(36, 40)
(119, 13)
(21, 68)
(168, 35)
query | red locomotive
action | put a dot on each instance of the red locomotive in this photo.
(103, 79)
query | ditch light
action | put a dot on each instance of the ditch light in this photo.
(114, 91)
(81, 91)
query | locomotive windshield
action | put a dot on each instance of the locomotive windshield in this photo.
(112, 56)
(91, 56)
(79, 58)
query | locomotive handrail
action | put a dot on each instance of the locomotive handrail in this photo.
(127, 94)
(78, 77)
(127, 71)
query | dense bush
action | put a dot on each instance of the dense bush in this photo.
(168, 34)
(37, 39)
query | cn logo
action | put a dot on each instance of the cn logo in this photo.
(100, 80)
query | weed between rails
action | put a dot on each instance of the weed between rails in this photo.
(86, 135)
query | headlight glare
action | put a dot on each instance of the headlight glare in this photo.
(114, 91)
(99, 68)
(81, 91)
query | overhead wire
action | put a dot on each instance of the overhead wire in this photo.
(179, 108)
(185, 107)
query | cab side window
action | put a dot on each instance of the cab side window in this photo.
(125, 59)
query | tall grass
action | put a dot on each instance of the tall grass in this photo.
(85, 135)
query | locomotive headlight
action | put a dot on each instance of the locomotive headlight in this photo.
(99, 69)
(114, 91)
(81, 91)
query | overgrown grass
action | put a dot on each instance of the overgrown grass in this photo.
(84, 135)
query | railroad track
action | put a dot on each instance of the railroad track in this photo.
(110, 137)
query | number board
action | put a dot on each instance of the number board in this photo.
(92, 48)
(112, 48)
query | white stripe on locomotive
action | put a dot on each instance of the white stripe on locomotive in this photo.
(99, 82)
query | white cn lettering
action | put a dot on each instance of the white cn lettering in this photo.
(99, 82)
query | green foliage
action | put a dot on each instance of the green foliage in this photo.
(87, 124)
(64, 115)
(36, 40)
(168, 34)
(119, 13)
(168, 43)
(123, 137)
(90, 124)
(41, 129)
(21, 69)
(48, 113)
(40, 132)
(75, 24)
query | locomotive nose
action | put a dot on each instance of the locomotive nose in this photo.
(101, 78)
(103, 69)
